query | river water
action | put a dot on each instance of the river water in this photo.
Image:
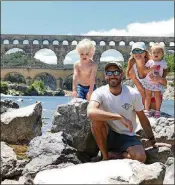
(50, 104)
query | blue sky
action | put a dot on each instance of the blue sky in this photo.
(75, 17)
(114, 18)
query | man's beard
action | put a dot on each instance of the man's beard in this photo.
(114, 82)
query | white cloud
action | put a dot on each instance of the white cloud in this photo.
(159, 28)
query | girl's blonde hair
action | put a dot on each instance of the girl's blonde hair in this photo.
(86, 46)
(158, 46)
(132, 61)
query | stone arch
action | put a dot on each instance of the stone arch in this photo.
(65, 42)
(55, 42)
(35, 42)
(70, 59)
(15, 41)
(48, 80)
(111, 43)
(25, 41)
(102, 43)
(15, 77)
(74, 43)
(45, 42)
(121, 43)
(112, 55)
(14, 50)
(46, 55)
(6, 41)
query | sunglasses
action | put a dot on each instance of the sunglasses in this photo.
(110, 73)
(138, 51)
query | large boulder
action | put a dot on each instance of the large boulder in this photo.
(49, 151)
(21, 125)
(124, 171)
(163, 129)
(72, 119)
(8, 104)
(10, 166)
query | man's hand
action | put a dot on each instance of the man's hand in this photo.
(74, 94)
(127, 123)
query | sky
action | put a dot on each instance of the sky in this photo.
(117, 18)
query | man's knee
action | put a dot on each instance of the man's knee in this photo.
(137, 153)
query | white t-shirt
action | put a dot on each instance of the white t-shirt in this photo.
(124, 104)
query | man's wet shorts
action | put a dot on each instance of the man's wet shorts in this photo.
(83, 90)
(120, 142)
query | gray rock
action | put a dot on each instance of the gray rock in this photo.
(124, 171)
(169, 175)
(49, 150)
(163, 129)
(8, 104)
(160, 154)
(10, 166)
(72, 119)
(21, 125)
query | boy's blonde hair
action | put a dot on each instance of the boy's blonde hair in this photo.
(86, 46)
(158, 46)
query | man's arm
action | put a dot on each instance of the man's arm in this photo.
(96, 114)
(146, 126)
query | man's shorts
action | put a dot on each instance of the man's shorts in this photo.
(83, 90)
(120, 142)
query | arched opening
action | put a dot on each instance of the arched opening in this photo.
(14, 57)
(15, 41)
(70, 59)
(14, 50)
(121, 43)
(151, 43)
(68, 82)
(131, 43)
(6, 41)
(171, 43)
(55, 42)
(111, 55)
(93, 42)
(48, 80)
(45, 42)
(35, 42)
(15, 77)
(74, 42)
(102, 43)
(25, 42)
(65, 42)
(111, 43)
(46, 56)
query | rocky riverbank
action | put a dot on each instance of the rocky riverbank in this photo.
(65, 156)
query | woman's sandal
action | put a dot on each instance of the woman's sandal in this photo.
(147, 113)
(157, 114)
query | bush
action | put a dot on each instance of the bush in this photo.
(3, 87)
(37, 86)
(170, 61)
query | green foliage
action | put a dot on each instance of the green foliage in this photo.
(15, 78)
(37, 86)
(3, 87)
(170, 61)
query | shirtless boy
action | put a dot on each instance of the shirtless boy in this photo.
(84, 71)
